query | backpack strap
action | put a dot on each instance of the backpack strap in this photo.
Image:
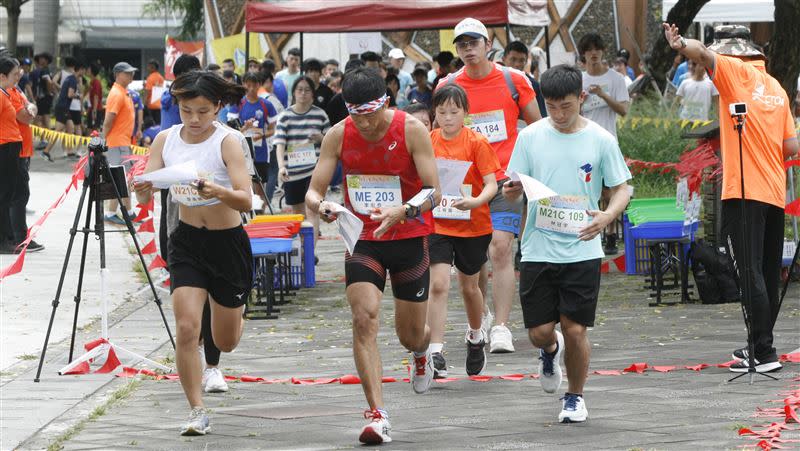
(510, 83)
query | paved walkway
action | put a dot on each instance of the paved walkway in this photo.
(312, 339)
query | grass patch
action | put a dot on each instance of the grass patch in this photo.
(139, 269)
(118, 395)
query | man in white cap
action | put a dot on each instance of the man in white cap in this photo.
(398, 59)
(117, 128)
(498, 96)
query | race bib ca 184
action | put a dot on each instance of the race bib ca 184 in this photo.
(491, 124)
(368, 192)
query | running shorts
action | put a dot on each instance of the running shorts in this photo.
(548, 290)
(407, 261)
(467, 253)
(219, 261)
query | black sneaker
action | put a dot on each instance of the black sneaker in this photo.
(47, 156)
(7, 249)
(476, 357)
(740, 354)
(439, 365)
(33, 246)
(611, 244)
(767, 366)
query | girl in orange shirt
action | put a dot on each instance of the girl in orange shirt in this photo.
(463, 227)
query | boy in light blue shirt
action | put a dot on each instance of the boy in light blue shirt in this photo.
(561, 250)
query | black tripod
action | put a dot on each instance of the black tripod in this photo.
(744, 270)
(101, 185)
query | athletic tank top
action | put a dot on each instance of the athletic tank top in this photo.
(387, 157)
(207, 157)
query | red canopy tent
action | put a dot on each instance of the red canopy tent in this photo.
(321, 16)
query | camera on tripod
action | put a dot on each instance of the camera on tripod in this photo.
(104, 180)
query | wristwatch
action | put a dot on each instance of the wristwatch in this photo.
(683, 42)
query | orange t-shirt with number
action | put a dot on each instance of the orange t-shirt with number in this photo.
(475, 148)
(769, 123)
(19, 102)
(9, 131)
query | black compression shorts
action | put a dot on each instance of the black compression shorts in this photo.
(406, 260)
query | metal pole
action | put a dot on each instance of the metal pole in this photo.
(246, 51)
(301, 53)
(547, 44)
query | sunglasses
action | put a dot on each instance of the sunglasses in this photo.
(468, 44)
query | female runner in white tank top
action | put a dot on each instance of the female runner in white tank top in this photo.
(209, 252)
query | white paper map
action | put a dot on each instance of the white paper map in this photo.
(349, 226)
(172, 175)
(451, 175)
(534, 189)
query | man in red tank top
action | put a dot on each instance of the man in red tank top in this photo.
(387, 158)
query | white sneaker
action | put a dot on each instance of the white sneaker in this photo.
(573, 409)
(549, 367)
(197, 424)
(377, 431)
(486, 324)
(500, 339)
(214, 381)
(422, 373)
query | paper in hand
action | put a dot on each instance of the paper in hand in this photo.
(350, 226)
(421, 197)
(534, 189)
(172, 175)
(451, 175)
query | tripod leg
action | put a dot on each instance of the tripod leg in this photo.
(132, 232)
(86, 229)
(64, 267)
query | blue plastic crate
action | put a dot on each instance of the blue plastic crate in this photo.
(637, 256)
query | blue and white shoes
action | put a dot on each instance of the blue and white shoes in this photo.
(198, 423)
(573, 409)
(550, 375)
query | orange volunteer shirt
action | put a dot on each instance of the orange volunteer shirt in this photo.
(467, 146)
(9, 131)
(19, 102)
(153, 80)
(769, 123)
(119, 103)
(492, 111)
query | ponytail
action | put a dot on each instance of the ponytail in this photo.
(206, 84)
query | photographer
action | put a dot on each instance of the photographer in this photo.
(737, 69)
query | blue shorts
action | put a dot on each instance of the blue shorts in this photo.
(506, 221)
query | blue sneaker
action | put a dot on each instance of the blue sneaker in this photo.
(114, 219)
(550, 368)
(573, 410)
(197, 424)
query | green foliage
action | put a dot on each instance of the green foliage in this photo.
(192, 11)
(649, 142)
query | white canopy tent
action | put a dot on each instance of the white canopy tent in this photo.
(729, 11)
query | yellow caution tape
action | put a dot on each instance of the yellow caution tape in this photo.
(72, 141)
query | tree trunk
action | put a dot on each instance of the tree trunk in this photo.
(661, 54)
(13, 10)
(784, 56)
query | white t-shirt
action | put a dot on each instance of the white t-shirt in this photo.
(597, 109)
(696, 102)
(288, 80)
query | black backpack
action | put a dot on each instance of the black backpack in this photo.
(713, 272)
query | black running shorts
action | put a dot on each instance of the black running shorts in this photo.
(548, 290)
(219, 261)
(406, 260)
(468, 254)
(295, 192)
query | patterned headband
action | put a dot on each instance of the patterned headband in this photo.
(366, 108)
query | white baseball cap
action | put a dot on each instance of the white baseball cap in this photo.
(470, 27)
(396, 53)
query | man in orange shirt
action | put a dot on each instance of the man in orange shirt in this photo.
(10, 148)
(737, 69)
(154, 80)
(26, 112)
(117, 128)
